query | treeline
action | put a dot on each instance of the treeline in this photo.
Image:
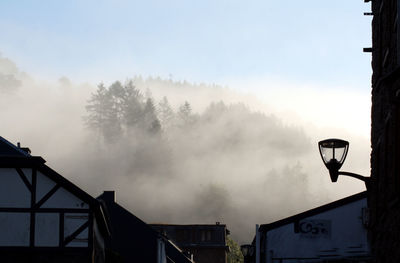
(123, 110)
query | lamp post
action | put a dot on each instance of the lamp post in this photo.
(248, 252)
(333, 153)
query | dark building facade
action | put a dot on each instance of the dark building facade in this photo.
(384, 191)
(335, 232)
(207, 243)
(132, 240)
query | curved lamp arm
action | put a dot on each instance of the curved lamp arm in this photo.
(359, 177)
(366, 180)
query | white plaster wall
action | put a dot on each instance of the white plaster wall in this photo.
(72, 221)
(13, 191)
(60, 199)
(14, 229)
(43, 185)
(28, 174)
(47, 227)
(81, 240)
(348, 235)
(64, 199)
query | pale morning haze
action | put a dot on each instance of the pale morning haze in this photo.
(264, 81)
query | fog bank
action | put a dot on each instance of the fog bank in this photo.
(237, 161)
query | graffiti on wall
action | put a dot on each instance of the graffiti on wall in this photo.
(313, 228)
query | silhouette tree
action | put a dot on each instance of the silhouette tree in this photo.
(150, 120)
(103, 115)
(165, 114)
(185, 115)
(117, 93)
(132, 106)
(121, 109)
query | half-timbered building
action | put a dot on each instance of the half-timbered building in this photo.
(43, 216)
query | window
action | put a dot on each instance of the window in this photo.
(205, 235)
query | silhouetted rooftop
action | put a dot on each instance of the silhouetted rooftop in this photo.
(320, 209)
(9, 149)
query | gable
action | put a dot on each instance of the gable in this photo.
(60, 198)
(30, 198)
(16, 189)
(64, 199)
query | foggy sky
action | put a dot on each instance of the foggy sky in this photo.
(249, 165)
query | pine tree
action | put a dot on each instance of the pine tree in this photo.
(132, 106)
(165, 114)
(102, 114)
(151, 122)
(185, 115)
(118, 94)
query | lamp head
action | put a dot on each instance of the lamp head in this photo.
(247, 250)
(333, 153)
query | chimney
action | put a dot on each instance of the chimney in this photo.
(109, 196)
(25, 149)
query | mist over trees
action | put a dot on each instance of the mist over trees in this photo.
(174, 151)
(121, 111)
(9, 76)
(199, 157)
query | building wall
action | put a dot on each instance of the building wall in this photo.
(29, 256)
(207, 243)
(38, 219)
(131, 239)
(335, 234)
(215, 255)
(384, 191)
(18, 206)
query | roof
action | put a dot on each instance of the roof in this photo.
(315, 211)
(9, 149)
(170, 230)
(133, 239)
(124, 217)
(188, 225)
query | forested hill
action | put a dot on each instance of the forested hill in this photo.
(190, 167)
(174, 151)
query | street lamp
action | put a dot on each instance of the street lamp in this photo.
(247, 252)
(333, 153)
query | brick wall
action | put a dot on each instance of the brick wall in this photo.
(384, 192)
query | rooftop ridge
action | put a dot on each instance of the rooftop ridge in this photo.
(9, 149)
